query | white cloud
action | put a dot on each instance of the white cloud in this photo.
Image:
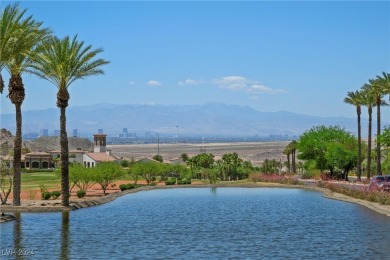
(232, 82)
(190, 82)
(131, 83)
(154, 83)
(244, 84)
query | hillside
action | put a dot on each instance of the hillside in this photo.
(208, 119)
(42, 144)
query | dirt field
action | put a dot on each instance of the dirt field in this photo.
(255, 152)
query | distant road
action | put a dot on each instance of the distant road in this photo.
(253, 151)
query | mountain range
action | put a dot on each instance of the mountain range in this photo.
(209, 119)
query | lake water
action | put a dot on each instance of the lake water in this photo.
(203, 223)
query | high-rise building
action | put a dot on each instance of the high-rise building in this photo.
(56, 132)
(75, 132)
(100, 131)
(44, 132)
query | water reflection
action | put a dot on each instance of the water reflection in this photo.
(65, 235)
(18, 246)
(204, 223)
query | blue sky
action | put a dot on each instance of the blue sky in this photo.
(301, 57)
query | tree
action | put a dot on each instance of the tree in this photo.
(376, 88)
(385, 140)
(369, 101)
(184, 157)
(19, 39)
(81, 177)
(355, 99)
(287, 152)
(329, 147)
(106, 173)
(61, 62)
(158, 158)
(148, 170)
(5, 182)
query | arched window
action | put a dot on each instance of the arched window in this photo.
(35, 165)
(45, 165)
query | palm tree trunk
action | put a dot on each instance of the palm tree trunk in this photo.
(16, 94)
(359, 159)
(288, 163)
(17, 155)
(378, 133)
(294, 170)
(64, 159)
(369, 143)
(1, 84)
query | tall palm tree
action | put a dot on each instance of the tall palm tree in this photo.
(369, 101)
(287, 152)
(62, 61)
(22, 35)
(355, 99)
(376, 88)
(293, 156)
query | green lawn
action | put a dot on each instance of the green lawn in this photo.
(31, 181)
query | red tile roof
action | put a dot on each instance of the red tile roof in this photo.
(101, 157)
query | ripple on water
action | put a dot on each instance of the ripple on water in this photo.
(204, 223)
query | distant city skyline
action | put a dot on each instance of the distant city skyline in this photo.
(301, 57)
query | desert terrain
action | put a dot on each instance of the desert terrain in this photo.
(256, 152)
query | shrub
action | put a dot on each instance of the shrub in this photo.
(131, 186)
(55, 194)
(183, 181)
(123, 187)
(46, 195)
(81, 193)
(274, 178)
(152, 184)
(170, 181)
(311, 174)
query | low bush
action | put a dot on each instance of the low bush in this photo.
(183, 181)
(152, 184)
(123, 187)
(274, 178)
(24, 170)
(170, 181)
(128, 186)
(55, 194)
(311, 174)
(46, 195)
(81, 193)
(358, 192)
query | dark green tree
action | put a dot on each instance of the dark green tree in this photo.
(324, 144)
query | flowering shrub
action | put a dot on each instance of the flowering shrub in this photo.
(274, 178)
(358, 192)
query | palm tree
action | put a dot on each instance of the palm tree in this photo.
(21, 39)
(355, 99)
(293, 145)
(62, 61)
(385, 82)
(376, 88)
(368, 101)
(287, 152)
(10, 21)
